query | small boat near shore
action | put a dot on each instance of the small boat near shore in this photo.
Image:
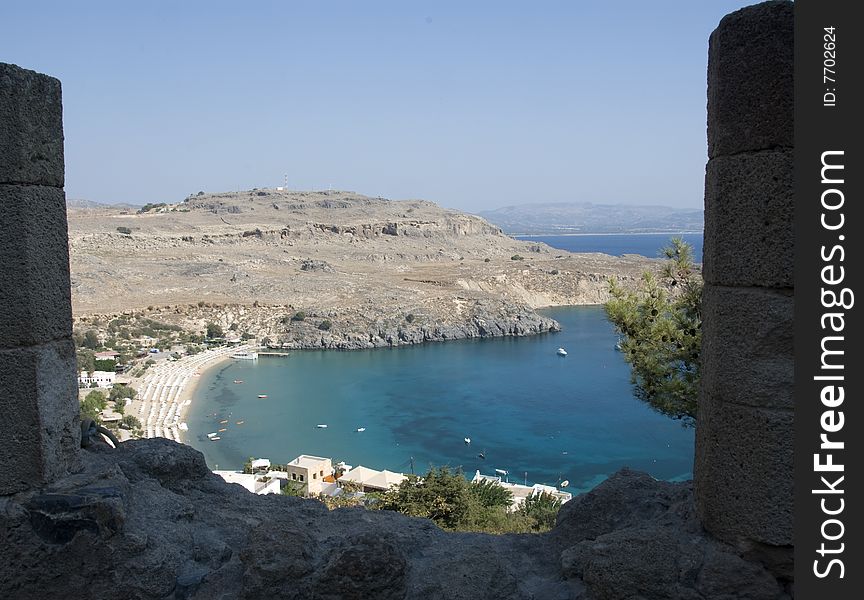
(212, 435)
(238, 381)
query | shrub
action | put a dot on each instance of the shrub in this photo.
(409, 317)
(325, 325)
(299, 316)
(214, 331)
(487, 260)
(517, 257)
(124, 230)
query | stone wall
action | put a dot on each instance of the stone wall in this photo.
(743, 471)
(39, 430)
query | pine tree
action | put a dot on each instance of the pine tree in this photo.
(660, 325)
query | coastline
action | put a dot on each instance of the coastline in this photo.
(166, 391)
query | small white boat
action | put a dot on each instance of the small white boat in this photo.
(564, 483)
(467, 440)
(262, 395)
(359, 429)
(561, 352)
(321, 426)
(215, 438)
(212, 435)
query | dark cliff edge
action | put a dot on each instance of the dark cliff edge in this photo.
(149, 520)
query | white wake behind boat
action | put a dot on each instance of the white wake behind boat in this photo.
(561, 352)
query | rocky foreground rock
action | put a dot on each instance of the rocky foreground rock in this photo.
(149, 520)
(379, 272)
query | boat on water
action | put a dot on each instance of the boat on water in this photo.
(262, 395)
(564, 483)
(245, 356)
(222, 422)
(321, 426)
(467, 440)
(359, 429)
(240, 422)
(212, 435)
(215, 438)
(561, 352)
(223, 429)
(238, 381)
(482, 455)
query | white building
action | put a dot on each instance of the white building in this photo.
(257, 484)
(520, 492)
(371, 480)
(103, 379)
(311, 471)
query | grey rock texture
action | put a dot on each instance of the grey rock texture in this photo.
(750, 85)
(744, 440)
(35, 291)
(31, 128)
(749, 229)
(39, 430)
(148, 519)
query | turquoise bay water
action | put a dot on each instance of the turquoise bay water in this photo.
(647, 244)
(529, 410)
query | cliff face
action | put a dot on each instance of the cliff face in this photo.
(363, 264)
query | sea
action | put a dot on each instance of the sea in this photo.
(646, 244)
(539, 417)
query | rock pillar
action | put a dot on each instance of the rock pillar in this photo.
(743, 468)
(39, 429)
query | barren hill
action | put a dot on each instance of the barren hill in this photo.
(380, 272)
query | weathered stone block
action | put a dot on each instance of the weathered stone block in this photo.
(749, 228)
(39, 428)
(34, 252)
(743, 473)
(31, 127)
(747, 346)
(750, 85)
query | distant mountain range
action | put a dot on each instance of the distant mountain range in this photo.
(586, 217)
(82, 203)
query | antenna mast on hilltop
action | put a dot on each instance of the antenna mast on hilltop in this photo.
(285, 184)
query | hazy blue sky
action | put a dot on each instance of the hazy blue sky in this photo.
(473, 105)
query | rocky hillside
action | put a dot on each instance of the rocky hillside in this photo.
(378, 272)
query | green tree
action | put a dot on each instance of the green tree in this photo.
(542, 509)
(91, 340)
(86, 360)
(93, 405)
(441, 495)
(299, 316)
(130, 422)
(294, 488)
(325, 325)
(490, 494)
(104, 364)
(660, 325)
(122, 391)
(214, 331)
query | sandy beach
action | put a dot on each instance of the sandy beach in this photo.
(165, 392)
